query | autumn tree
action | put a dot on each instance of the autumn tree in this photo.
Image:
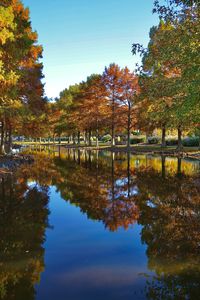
(131, 89)
(171, 63)
(93, 106)
(21, 71)
(112, 82)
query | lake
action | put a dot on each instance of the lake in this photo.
(83, 225)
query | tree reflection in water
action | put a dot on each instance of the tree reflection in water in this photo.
(119, 190)
(23, 220)
(100, 188)
(170, 215)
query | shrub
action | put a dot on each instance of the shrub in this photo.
(172, 142)
(137, 140)
(187, 142)
(106, 138)
(191, 141)
(136, 133)
(153, 140)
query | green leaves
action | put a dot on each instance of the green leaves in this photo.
(170, 78)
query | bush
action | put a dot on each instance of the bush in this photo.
(136, 133)
(153, 140)
(191, 141)
(106, 138)
(187, 142)
(172, 142)
(137, 140)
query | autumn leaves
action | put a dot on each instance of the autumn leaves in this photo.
(164, 93)
(21, 90)
(103, 103)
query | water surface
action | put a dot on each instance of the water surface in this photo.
(94, 225)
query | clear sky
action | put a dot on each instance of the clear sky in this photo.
(81, 37)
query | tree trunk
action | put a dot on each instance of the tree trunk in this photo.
(79, 138)
(97, 138)
(2, 150)
(113, 123)
(90, 137)
(129, 125)
(97, 132)
(86, 137)
(163, 137)
(180, 146)
(10, 139)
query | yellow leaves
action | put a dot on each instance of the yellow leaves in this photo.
(6, 24)
(7, 80)
(5, 35)
(6, 17)
(166, 26)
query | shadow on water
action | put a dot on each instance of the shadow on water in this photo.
(119, 190)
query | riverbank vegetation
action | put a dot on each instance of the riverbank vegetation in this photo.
(158, 103)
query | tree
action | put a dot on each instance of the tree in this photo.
(130, 91)
(113, 85)
(93, 105)
(68, 104)
(181, 49)
(171, 73)
(20, 71)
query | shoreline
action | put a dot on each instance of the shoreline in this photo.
(186, 152)
(192, 153)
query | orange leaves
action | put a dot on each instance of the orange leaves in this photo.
(19, 10)
(104, 102)
(21, 69)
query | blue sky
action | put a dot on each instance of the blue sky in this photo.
(81, 37)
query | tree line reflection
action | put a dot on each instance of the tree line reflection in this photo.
(118, 190)
(23, 220)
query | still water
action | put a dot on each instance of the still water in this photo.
(83, 225)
